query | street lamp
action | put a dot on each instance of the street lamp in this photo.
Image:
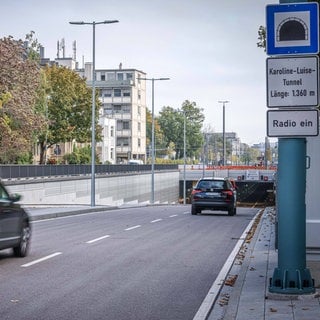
(93, 130)
(152, 135)
(224, 132)
(184, 157)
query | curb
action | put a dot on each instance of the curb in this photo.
(213, 294)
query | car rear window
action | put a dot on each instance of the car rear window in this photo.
(214, 184)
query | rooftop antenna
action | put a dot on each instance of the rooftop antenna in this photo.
(62, 44)
(74, 47)
(58, 49)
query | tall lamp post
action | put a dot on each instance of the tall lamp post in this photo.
(93, 129)
(224, 131)
(152, 134)
(184, 157)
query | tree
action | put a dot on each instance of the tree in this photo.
(194, 122)
(172, 125)
(19, 81)
(68, 104)
(159, 138)
(262, 38)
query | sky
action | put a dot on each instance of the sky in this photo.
(207, 48)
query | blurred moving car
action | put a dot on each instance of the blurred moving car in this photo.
(214, 194)
(15, 230)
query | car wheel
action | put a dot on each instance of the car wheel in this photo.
(231, 211)
(194, 210)
(235, 211)
(22, 249)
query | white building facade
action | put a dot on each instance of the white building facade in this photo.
(123, 113)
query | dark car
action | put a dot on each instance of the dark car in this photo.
(214, 194)
(15, 230)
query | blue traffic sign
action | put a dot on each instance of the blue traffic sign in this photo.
(292, 29)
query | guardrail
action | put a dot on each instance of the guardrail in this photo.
(37, 171)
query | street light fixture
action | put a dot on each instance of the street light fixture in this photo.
(224, 132)
(93, 130)
(152, 134)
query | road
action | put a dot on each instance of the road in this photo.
(136, 263)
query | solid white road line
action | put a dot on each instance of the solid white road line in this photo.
(41, 259)
(134, 227)
(157, 220)
(172, 216)
(216, 287)
(98, 239)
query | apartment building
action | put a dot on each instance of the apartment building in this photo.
(123, 113)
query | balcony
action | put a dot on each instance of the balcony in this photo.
(112, 83)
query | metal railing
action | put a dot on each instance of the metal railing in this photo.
(37, 171)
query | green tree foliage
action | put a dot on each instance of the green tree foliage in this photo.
(68, 104)
(32, 47)
(79, 156)
(159, 138)
(19, 81)
(262, 38)
(171, 122)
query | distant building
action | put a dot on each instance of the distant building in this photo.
(123, 113)
(123, 98)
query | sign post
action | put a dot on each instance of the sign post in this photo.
(292, 29)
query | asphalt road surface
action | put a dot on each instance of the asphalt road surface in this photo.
(149, 263)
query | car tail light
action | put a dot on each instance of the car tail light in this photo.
(194, 191)
(228, 194)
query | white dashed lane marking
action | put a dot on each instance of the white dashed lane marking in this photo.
(98, 239)
(41, 259)
(134, 227)
(91, 241)
(157, 220)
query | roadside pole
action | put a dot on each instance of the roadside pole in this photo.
(291, 276)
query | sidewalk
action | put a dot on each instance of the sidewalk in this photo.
(42, 212)
(245, 295)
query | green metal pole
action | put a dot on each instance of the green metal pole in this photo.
(291, 276)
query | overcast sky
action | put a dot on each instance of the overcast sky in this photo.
(206, 47)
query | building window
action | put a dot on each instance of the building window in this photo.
(111, 76)
(122, 142)
(139, 109)
(111, 131)
(126, 94)
(107, 93)
(129, 76)
(103, 77)
(111, 153)
(139, 142)
(117, 108)
(126, 125)
(126, 108)
(139, 126)
(117, 92)
(139, 94)
(120, 76)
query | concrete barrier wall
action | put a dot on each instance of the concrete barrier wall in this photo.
(110, 190)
